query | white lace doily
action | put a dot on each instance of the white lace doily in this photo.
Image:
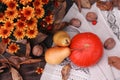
(100, 71)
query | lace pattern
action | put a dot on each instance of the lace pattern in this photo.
(111, 18)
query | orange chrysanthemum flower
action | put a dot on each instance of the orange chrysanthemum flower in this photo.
(4, 1)
(19, 34)
(22, 18)
(31, 33)
(32, 23)
(39, 12)
(49, 19)
(28, 12)
(2, 17)
(24, 2)
(11, 14)
(6, 40)
(20, 25)
(13, 48)
(4, 32)
(37, 3)
(45, 1)
(11, 4)
(39, 70)
(9, 25)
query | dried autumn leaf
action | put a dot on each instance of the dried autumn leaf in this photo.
(60, 0)
(59, 26)
(118, 5)
(65, 72)
(29, 61)
(28, 49)
(15, 74)
(1, 71)
(39, 38)
(93, 1)
(104, 5)
(59, 12)
(78, 2)
(2, 47)
(114, 61)
(115, 2)
(3, 60)
(85, 3)
(1, 68)
(15, 61)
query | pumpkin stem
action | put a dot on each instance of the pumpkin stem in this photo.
(86, 45)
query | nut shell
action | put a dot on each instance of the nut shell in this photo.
(109, 43)
(91, 16)
(75, 22)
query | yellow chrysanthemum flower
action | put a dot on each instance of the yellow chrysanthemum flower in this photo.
(31, 33)
(39, 12)
(44, 1)
(24, 2)
(49, 19)
(11, 4)
(9, 25)
(37, 3)
(11, 14)
(21, 25)
(2, 17)
(28, 12)
(4, 32)
(32, 23)
(6, 40)
(19, 34)
(13, 48)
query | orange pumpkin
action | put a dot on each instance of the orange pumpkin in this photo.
(86, 49)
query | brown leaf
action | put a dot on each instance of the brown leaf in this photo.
(3, 60)
(78, 2)
(39, 38)
(118, 5)
(93, 1)
(15, 61)
(59, 12)
(65, 72)
(23, 41)
(2, 47)
(1, 68)
(29, 61)
(28, 49)
(59, 26)
(85, 4)
(105, 5)
(1, 71)
(114, 61)
(115, 2)
(60, 0)
(15, 74)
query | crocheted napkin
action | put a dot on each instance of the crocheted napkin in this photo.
(100, 71)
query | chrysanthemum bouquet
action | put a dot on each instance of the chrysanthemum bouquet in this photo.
(21, 19)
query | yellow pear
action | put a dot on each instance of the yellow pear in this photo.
(61, 38)
(55, 55)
